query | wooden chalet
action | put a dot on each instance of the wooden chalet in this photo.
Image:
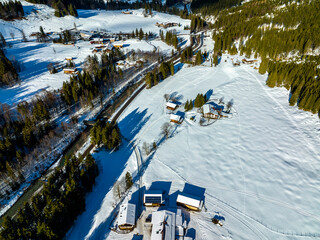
(171, 106)
(118, 45)
(127, 216)
(176, 118)
(121, 63)
(210, 112)
(69, 70)
(189, 201)
(153, 198)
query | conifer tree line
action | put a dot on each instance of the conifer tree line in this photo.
(64, 37)
(155, 5)
(107, 134)
(186, 55)
(97, 77)
(64, 7)
(11, 9)
(53, 211)
(165, 70)
(197, 23)
(198, 102)
(8, 74)
(212, 7)
(22, 129)
(140, 34)
(292, 31)
(170, 38)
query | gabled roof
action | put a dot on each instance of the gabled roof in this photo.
(190, 200)
(175, 117)
(207, 108)
(171, 105)
(153, 192)
(127, 214)
(163, 223)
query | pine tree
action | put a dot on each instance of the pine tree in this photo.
(129, 181)
(3, 42)
(264, 66)
(172, 68)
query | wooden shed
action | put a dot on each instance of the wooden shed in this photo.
(171, 106)
(189, 201)
(69, 70)
(176, 118)
(127, 216)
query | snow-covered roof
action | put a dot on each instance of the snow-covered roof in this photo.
(171, 105)
(121, 62)
(163, 222)
(153, 192)
(207, 108)
(175, 117)
(118, 43)
(127, 214)
(190, 200)
(70, 69)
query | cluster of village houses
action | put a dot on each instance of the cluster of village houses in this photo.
(103, 42)
(168, 224)
(208, 111)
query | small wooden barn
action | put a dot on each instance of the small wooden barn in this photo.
(127, 216)
(171, 106)
(176, 118)
(69, 70)
(191, 202)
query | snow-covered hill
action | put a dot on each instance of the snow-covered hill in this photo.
(259, 168)
(34, 57)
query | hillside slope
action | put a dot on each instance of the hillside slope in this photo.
(283, 33)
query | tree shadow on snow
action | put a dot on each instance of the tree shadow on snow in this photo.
(111, 165)
(87, 13)
(131, 125)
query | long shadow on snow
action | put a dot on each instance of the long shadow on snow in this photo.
(87, 13)
(133, 123)
(110, 170)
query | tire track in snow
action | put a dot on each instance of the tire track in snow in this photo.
(285, 111)
(242, 221)
(312, 235)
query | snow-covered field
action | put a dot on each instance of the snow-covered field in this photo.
(259, 168)
(35, 57)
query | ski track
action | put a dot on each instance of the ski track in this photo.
(246, 223)
(285, 111)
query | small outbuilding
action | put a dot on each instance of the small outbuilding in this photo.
(69, 70)
(127, 216)
(209, 112)
(171, 106)
(153, 198)
(176, 118)
(191, 202)
(118, 45)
